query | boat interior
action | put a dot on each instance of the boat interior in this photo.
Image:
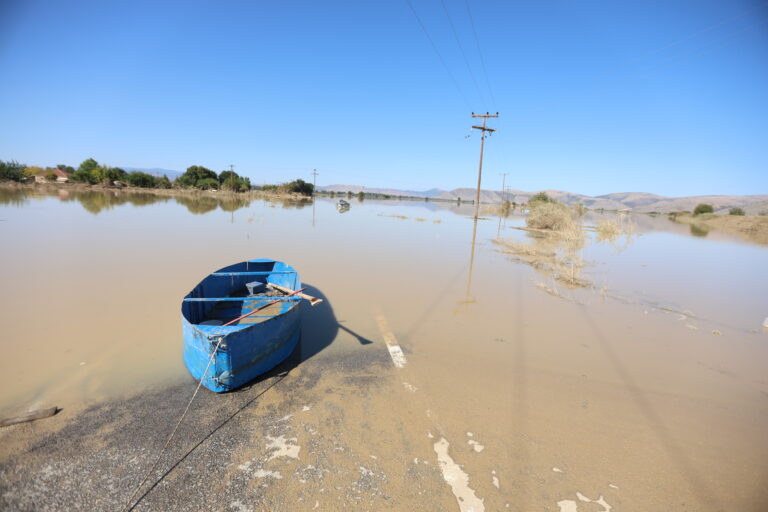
(234, 291)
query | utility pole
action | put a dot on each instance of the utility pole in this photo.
(482, 141)
(232, 167)
(314, 179)
(503, 180)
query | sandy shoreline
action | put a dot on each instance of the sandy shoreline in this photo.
(753, 228)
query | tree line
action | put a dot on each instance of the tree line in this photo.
(195, 177)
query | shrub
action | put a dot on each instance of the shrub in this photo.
(11, 171)
(548, 215)
(140, 179)
(207, 183)
(703, 208)
(736, 211)
(541, 197)
(303, 188)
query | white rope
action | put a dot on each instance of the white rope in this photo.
(127, 505)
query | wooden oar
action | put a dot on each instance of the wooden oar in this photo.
(297, 292)
(313, 301)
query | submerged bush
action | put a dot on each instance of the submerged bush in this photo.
(703, 208)
(736, 211)
(552, 216)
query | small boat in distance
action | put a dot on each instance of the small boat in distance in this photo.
(342, 205)
(251, 312)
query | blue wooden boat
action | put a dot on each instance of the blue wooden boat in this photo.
(251, 345)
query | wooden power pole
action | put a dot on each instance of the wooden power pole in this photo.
(314, 179)
(482, 141)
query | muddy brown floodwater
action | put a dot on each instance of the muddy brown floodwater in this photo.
(438, 375)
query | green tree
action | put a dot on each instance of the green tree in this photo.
(228, 175)
(230, 180)
(87, 172)
(736, 211)
(88, 165)
(163, 182)
(11, 171)
(65, 168)
(207, 184)
(301, 187)
(195, 177)
(116, 174)
(703, 208)
(140, 179)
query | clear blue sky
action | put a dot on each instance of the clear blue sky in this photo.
(665, 96)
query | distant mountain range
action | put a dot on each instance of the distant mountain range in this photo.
(387, 191)
(628, 201)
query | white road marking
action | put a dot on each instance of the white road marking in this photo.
(394, 349)
(572, 506)
(457, 479)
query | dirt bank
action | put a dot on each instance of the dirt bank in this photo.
(753, 228)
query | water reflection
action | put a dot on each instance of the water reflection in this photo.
(698, 230)
(198, 205)
(13, 197)
(291, 203)
(97, 201)
(468, 299)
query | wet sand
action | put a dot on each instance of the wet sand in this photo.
(418, 386)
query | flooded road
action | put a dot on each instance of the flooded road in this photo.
(441, 375)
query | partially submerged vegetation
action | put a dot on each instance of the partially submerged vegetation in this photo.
(557, 239)
(556, 243)
(609, 230)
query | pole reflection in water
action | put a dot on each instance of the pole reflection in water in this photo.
(468, 296)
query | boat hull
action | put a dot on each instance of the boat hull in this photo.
(245, 350)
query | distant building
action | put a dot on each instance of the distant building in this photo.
(61, 176)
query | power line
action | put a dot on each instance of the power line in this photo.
(461, 49)
(482, 60)
(439, 56)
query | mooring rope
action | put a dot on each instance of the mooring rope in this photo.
(168, 442)
(213, 354)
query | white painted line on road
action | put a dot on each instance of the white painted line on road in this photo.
(457, 479)
(394, 349)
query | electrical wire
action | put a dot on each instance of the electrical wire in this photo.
(439, 55)
(463, 54)
(479, 51)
